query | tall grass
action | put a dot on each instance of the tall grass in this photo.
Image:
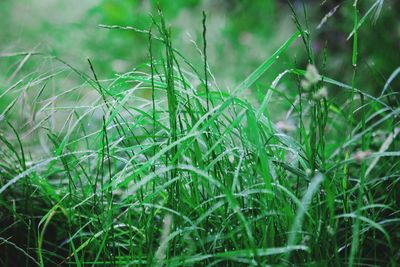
(149, 169)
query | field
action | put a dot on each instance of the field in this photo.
(199, 133)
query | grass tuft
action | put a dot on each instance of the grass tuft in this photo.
(147, 168)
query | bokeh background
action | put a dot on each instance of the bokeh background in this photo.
(240, 35)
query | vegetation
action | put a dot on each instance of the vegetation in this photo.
(161, 165)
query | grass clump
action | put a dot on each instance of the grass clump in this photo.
(159, 166)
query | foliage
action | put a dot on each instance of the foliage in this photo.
(161, 165)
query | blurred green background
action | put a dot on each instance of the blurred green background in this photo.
(240, 35)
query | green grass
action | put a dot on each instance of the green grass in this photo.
(159, 166)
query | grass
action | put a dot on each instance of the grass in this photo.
(150, 169)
